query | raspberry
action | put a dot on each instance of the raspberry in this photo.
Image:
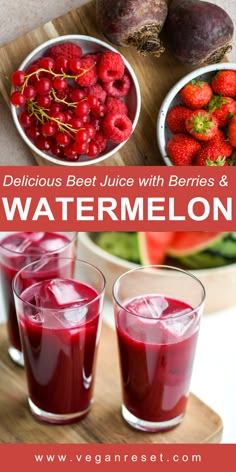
(97, 91)
(70, 50)
(117, 127)
(114, 105)
(118, 88)
(89, 72)
(101, 141)
(111, 66)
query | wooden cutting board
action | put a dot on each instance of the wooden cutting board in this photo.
(155, 76)
(104, 423)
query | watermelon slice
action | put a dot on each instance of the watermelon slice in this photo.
(201, 250)
(153, 246)
(119, 244)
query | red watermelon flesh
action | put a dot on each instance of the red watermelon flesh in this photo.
(153, 246)
(188, 242)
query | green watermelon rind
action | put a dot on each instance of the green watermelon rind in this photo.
(220, 251)
(119, 244)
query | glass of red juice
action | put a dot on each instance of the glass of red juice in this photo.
(60, 320)
(18, 249)
(157, 315)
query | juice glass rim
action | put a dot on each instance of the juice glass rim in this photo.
(11, 251)
(58, 310)
(165, 268)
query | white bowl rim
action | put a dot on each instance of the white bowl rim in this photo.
(92, 246)
(80, 37)
(160, 129)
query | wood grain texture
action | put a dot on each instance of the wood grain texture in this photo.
(155, 76)
(104, 424)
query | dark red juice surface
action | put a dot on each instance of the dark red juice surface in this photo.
(16, 251)
(59, 356)
(156, 359)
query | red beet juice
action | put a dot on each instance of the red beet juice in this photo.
(59, 343)
(157, 347)
(18, 250)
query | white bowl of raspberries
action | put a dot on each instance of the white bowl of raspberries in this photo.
(196, 123)
(75, 100)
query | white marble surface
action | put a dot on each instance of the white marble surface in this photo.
(20, 16)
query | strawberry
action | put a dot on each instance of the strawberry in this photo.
(201, 125)
(222, 108)
(69, 50)
(196, 94)
(232, 131)
(219, 138)
(182, 149)
(176, 117)
(210, 155)
(224, 83)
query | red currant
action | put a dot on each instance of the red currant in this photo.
(60, 83)
(18, 78)
(90, 130)
(49, 129)
(82, 108)
(63, 139)
(47, 63)
(29, 92)
(93, 150)
(43, 143)
(68, 115)
(26, 119)
(81, 136)
(58, 116)
(43, 101)
(33, 132)
(57, 150)
(43, 86)
(96, 123)
(55, 107)
(70, 152)
(99, 110)
(86, 119)
(92, 101)
(75, 65)
(77, 95)
(81, 148)
(62, 64)
(76, 122)
(34, 73)
(18, 99)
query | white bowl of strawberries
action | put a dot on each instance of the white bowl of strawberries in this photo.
(75, 100)
(196, 123)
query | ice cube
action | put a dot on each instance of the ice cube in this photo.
(21, 242)
(183, 325)
(34, 236)
(148, 306)
(51, 244)
(76, 315)
(61, 293)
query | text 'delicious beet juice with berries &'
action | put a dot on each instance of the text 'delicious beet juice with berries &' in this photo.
(18, 250)
(59, 322)
(157, 337)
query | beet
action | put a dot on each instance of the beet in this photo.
(133, 23)
(198, 32)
